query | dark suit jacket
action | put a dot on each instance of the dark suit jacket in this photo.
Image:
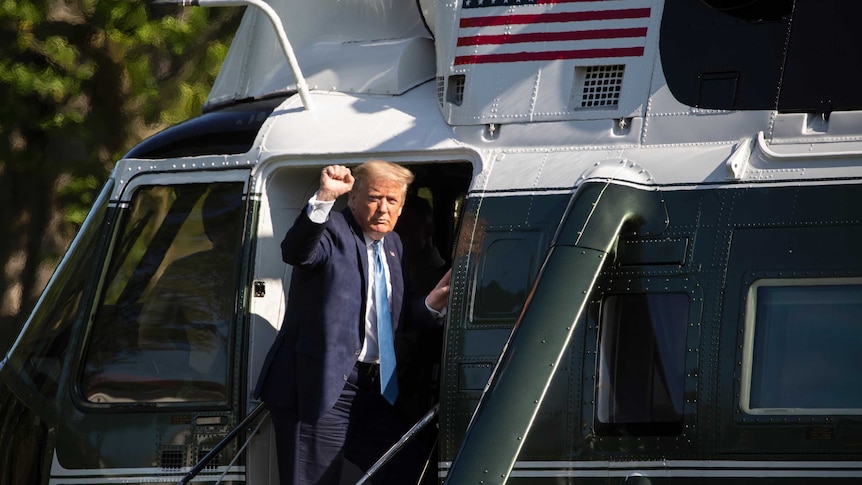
(321, 337)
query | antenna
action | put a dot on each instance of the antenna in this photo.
(301, 85)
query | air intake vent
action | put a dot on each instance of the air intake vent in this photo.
(455, 89)
(441, 89)
(601, 86)
(171, 458)
(213, 464)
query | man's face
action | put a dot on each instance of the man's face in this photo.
(376, 205)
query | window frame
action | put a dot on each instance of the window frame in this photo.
(749, 329)
(123, 204)
(613, 428)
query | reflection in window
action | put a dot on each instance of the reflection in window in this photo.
(161, 333)
(506, 271)
(641, 364)
(807, 338)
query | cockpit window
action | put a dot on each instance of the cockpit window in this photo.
(40, 353)
(162, 330)
(642, 364)
(803, 338)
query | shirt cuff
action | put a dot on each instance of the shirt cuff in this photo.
(436, 313)
(318, 210)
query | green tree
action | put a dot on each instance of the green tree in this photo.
(82, 81)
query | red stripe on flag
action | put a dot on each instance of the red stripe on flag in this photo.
(547, 18)
(513, 3)
(552, 36)
(550, 55)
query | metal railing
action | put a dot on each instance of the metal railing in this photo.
(261, 412)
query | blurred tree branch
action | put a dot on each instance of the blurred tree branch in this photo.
(83, 81)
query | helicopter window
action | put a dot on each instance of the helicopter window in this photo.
(505, 276)
(40, 351)
(803, 339)
(161, 332)
(510, 239)
(641, 364)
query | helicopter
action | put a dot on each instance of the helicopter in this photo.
(650, 209)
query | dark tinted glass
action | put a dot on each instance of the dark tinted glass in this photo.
(641, 364)
(162, 331)
(41, 351)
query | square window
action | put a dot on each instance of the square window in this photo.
(803, 338)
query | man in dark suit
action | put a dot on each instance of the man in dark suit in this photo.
(329, 377)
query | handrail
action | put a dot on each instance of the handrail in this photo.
(254, 415)
(596, 216)
(273, 17)
(764, 148)
(203, 462)
(409, 435)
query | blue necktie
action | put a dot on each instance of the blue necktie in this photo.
(388, 379)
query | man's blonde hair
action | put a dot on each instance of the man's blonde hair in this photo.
(379, 169)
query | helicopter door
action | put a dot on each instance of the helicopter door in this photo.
(163, 332)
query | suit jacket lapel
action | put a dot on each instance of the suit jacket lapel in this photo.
(362, 257)
(396, 277)
(361, 249)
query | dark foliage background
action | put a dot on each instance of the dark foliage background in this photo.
(81, 82)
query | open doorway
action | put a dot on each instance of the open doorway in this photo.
(428, 227)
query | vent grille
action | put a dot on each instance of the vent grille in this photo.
(171, 458)
(214, 463)
(455, 89)
(441, 90)
(602, 85)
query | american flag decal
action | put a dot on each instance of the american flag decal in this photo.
(492, 31)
